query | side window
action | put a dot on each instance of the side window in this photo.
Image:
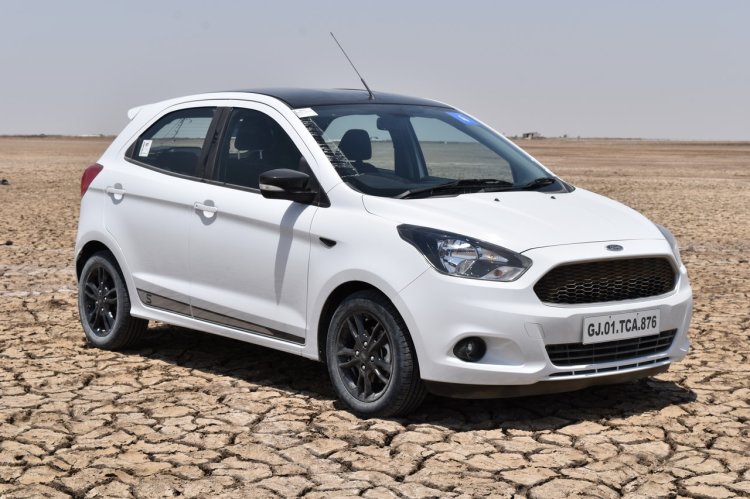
(175, 142)
(364, 144)
(254, 143)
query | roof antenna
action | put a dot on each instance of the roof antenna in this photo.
(372, 97)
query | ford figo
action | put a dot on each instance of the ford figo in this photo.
(399, 240)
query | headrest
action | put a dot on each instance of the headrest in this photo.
(252, 135)
(355, 144)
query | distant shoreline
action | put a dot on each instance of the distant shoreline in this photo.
(55, 136)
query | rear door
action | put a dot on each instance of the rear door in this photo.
(150, 203)
(249, 255)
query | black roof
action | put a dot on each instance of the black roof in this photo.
(306, 97)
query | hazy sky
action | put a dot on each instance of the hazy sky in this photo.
(658, 69)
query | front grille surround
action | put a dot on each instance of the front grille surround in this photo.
(574, 354)
(609, 280)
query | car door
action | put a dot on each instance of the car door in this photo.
(249, 255)
(150, 202)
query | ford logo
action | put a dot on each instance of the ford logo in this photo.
(614, 247)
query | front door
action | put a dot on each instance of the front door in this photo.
(249, 255)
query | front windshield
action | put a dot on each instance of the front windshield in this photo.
(419, 151)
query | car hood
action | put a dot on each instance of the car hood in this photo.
(521, 220)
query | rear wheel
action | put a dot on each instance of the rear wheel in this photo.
(104, 305)
(371, 362)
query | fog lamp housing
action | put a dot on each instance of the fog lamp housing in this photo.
(470, 349)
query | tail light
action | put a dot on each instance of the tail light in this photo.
(89, 174)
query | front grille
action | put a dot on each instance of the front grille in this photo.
(606, 280)
(572, 354)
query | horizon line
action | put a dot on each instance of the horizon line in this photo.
(510, 137)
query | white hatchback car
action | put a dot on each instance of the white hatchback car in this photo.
(399, 240)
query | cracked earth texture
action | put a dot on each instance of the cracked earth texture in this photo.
(195, 415)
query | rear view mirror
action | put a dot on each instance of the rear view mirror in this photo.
(286, 184)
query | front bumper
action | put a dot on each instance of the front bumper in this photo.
(516, 326)
(463, 391)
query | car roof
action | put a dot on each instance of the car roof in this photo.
(306, 97)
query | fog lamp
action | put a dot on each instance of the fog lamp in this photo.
(470, 349)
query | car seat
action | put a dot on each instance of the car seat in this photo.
(356, 146)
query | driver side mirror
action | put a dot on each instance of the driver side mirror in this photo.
(287, 184)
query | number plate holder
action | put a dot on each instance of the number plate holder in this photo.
(620, 326)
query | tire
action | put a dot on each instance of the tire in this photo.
(366, 339)
(104, 305)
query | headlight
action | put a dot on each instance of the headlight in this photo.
(672, 242)
(462, 256)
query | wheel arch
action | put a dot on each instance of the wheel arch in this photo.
(334, 299)
(338, 295)
(89, 249)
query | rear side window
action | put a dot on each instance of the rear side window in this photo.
(175, 143)
(254, 143)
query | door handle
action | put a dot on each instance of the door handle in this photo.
(117, 192)
(208, 210)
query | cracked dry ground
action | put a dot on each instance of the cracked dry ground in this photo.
(198, 416)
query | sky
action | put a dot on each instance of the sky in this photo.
(668, 69)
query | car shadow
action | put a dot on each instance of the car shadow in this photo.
(286, 372)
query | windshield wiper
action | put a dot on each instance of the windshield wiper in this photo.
(536, 183)
(469, 184)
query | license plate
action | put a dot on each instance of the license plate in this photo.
(620, 326)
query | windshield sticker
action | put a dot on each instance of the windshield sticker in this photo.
(145, 148)
(305, 112)
(463, 118)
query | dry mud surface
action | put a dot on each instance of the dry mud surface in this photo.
(199, 416)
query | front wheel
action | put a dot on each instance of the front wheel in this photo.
(104, 305)
(371, 361)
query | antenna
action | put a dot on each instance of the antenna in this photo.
(372, 97)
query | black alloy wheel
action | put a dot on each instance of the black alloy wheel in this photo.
(371, 359)
(104, 305)
(364, 356)
(100, 300)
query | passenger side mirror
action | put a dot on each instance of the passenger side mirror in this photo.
(286, 184)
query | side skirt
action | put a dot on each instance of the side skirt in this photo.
(177, 307)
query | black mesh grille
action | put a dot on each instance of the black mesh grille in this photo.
(607, 280)
(571, 354)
